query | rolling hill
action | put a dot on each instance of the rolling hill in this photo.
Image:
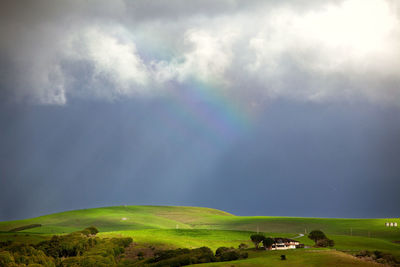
(173, 227)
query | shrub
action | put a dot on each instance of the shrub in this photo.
(221, 250)
(93, 230)
(97, 261)
(256, 239)
(140, 255)
(5, 243)
(243, 246)
(23, 254)
(230, 255)
(181, 257)
(122, 242)
(6, 258)
(203, 254)
(379, 257)
(325, 243)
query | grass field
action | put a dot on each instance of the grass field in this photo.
(324, 258)
(172, 227)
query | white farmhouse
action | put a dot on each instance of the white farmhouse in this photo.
(284, 243)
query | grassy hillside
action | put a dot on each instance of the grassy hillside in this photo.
(173, 227)
(324, 258)
(130, 218)
(119, 218)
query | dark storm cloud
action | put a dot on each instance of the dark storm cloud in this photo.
(308, 160)
(96, 154)
(327, 160)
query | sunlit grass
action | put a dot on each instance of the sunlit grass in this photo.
(191, 227)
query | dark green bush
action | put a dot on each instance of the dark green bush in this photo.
(257, 239)
(5, 243)
(379, 257)
(168, 254)
(122, 242)
(325, 243)
(140, 255)
(6, 258)
(221, 250)
(243, 246)
(23, 254)
(182, 257)
(230, 255)
(72, 250)
(92, 230)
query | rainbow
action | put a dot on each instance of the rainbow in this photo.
(204, 106)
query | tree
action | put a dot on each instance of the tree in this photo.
(221, 250)
(92, 230)
(256, 239)
(325, 243)
(268, 242)
(317, 235)
(320, 239)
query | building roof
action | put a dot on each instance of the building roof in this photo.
(283, 240)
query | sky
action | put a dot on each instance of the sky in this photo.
(281, 108)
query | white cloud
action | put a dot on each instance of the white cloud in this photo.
(338, 49)
(353, 39)
(114, 57)
(209, 57)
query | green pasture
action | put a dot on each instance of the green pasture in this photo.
(186, 238)
(299, 257)
(190, 227)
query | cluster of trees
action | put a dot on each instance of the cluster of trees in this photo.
(16, 255)
(267, 242)
(320, 239)
(80, 248)
(84, 248)
(379, 257)
(182, 257)
(317, 236)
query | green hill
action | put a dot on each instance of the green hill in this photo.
(120, 218)
(173, 227)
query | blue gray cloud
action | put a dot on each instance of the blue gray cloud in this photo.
(336, 49)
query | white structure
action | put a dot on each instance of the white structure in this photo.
(284, 243)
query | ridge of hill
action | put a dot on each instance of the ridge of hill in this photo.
(128, 218)
(118, 218)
